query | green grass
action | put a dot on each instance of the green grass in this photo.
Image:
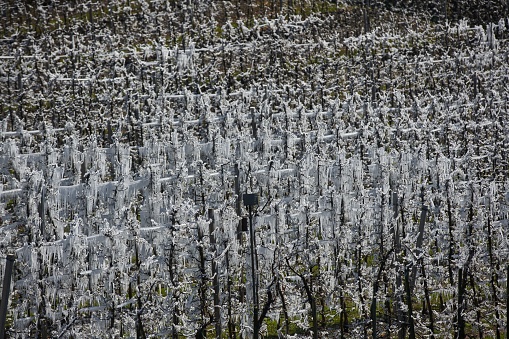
(272, 327)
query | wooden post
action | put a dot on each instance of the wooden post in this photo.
(418, 250)
(397, 249)
(251, 200)
(215, 274)
(237, 201)
(5, 293)
(42, 212)
(461, 290)
(373, 311)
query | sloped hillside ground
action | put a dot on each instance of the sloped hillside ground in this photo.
(373, 133)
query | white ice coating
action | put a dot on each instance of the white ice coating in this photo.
(120, 228)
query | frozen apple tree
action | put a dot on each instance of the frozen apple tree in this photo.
(374, 134)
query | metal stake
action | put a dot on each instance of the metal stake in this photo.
(5, 293)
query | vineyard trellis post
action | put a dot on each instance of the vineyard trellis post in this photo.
(251, 200)
(5, 292)
(397, 252)
(460, 326)
(215, 274)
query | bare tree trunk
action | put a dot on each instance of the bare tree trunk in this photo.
(410, 318)
(285, 309)
(428, 302)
